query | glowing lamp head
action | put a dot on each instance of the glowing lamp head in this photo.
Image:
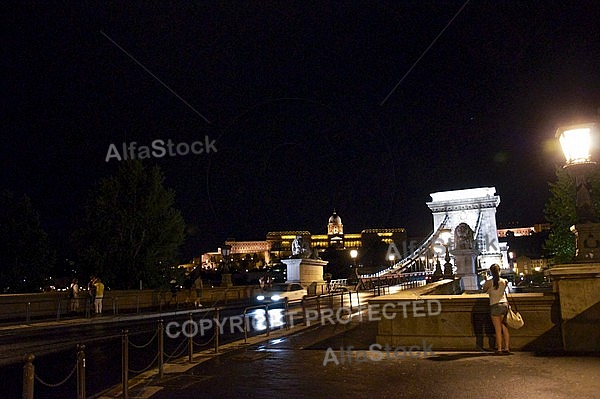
(445, 235)
(226, 250)
(353, 253)
(576, 143)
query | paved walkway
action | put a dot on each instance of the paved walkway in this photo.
(291, 366)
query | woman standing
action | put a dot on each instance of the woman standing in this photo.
(495, 288)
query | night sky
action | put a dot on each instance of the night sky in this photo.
(311, 106)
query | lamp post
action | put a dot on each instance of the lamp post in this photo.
(422, 264)
(576, 143)
(445, 235)
(437, 273)
(225, 274)
(511, 261)
(392, 257)
(353, 255)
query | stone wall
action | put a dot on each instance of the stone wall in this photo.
(21, 307)
(464, 322)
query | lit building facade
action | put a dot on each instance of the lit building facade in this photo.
(278, 244)
(281, 241)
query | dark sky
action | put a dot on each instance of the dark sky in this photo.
(300, 100)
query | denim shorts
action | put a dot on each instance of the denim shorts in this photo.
(499, 309)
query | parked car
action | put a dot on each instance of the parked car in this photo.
(280, 291)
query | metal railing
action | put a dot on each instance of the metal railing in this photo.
(334, 300)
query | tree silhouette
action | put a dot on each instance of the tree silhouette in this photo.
(561, 213)
(25, 252)
(131, 230)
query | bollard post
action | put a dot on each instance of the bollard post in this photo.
(125, 363)
(28, 376)
(246, 318)
(190, 339)
(286, 317)
(350, 298)
(80, 371)
(161, 348)
(217, 331)
(319, 304)
(304, 310)
(267, 319)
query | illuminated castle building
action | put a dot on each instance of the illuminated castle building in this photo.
(281, 241)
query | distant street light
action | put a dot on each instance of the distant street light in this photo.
(225, 274)
(392, 257)
(353, 255)
(576, 142)
(422, 265)
(445, 235)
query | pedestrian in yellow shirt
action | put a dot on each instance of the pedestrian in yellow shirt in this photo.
(99, 295)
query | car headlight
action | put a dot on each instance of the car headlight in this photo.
(260, 297)
(275, 298)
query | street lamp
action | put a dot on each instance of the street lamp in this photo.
(392, 257)
(437, 273)
(445, 235)
(353, 255)
(225, 274)
(422, 264)
(576, 143)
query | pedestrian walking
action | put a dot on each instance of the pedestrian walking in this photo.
(74, 296)
(99, 296)
(199, 287)
(173, 288)
(188, 286)
(92, 293)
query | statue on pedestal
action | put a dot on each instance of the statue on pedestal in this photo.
(301, 249)
(463, 236)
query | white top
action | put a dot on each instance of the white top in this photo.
(497, 295)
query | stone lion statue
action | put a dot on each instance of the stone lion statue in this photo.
(301, 249)
(463, 236)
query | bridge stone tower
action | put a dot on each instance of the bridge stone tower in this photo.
(477, 208)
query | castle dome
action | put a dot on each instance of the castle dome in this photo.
(335, 219)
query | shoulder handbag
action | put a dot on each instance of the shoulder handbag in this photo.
(513, 319)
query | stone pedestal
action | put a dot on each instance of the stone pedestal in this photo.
(465, 261)
(226, 280)
(578, 288)
(587, 240)
(305, 271)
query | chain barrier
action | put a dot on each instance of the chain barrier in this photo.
(206, 343)
(145, 368)
(145, 345)
(175, 354)
(57, 384)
